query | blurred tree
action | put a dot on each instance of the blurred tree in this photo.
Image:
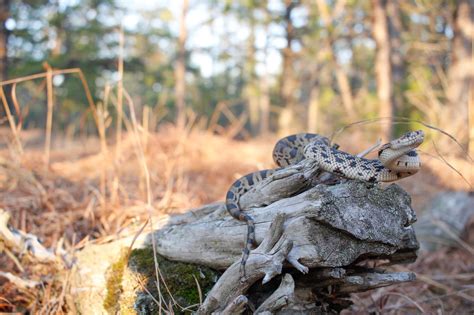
(254, 15)
(288, 120)
(461, 74)
(252, 88)
(180, 68)
(65, 35)
(395, 29)
(383, 66)
(4, 34)
(265, 79)
(4, 15)
(149, 62)
(320, 55)
(342, 79)
(312, 65)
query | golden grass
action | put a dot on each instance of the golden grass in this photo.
(94, 190)
(186, 169)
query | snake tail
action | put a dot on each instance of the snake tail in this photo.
(238, 188)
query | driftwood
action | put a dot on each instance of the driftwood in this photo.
(323, 231)
(24, 243)
(14, 243)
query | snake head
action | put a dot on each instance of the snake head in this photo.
(409, 139)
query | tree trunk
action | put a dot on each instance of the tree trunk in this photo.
(4, 14)
(342, 79)
(344, 87)
(313, 105)
(288, 81)
(265, 86)
(180, 68)
(264, 105)
(251, 86)
(383, 66)
(395, 28)
(461, 75)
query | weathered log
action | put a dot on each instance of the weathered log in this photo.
(265, 262)
(280, 298)
(330, 226)
(323, 226)
(313, 238)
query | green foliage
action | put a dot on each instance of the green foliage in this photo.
(246, 46)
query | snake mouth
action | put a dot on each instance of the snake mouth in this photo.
(417, 137)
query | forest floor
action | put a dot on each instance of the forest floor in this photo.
(98, 193)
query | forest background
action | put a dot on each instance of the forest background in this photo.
(285, 65)
(116, 110)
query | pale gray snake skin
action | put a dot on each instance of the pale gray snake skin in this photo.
(396, 159)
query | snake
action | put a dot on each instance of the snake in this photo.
(396, 159)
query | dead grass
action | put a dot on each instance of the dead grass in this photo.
(187, 169)
(83, 190)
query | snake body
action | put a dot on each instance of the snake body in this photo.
(396, 159)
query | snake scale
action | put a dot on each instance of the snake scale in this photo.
(396, 159)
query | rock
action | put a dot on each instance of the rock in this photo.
(443, 220)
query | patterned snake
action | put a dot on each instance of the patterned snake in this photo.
(396, 159)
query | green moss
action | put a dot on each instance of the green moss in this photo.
(114, 283)
(180, 279)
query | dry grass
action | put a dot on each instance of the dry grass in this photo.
(88, 189)
(186, 169)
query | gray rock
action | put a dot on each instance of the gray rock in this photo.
(443, 220)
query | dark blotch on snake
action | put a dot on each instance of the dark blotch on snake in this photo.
(293, 152)
(231, 206)
(379, 167)
(249, 178)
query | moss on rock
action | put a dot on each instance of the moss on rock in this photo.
(180, 287)
(114, 283)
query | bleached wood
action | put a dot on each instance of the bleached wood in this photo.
(317, 228)
(22, 243)
(265, 262)
(19, 282)
(330, 226)
(280, 298)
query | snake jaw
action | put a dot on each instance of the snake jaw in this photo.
(382, 148)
